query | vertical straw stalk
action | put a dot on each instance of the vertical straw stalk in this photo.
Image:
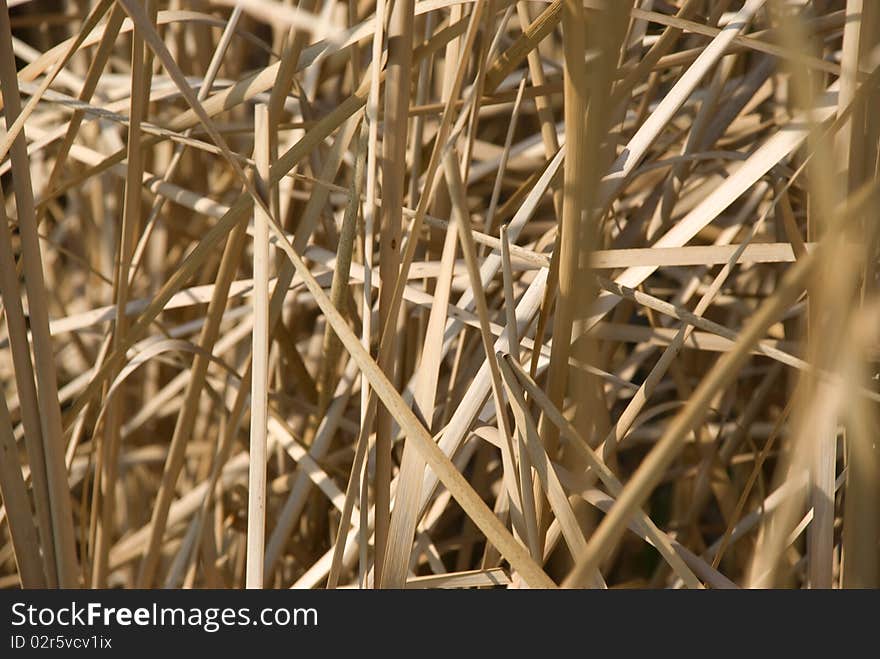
(397, 93)
(66, 565)
(259, 403)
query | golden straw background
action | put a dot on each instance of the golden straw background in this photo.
(440, 293)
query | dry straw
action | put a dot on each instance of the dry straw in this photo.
(439, 294)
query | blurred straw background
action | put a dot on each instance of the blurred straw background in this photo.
(439, 293)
